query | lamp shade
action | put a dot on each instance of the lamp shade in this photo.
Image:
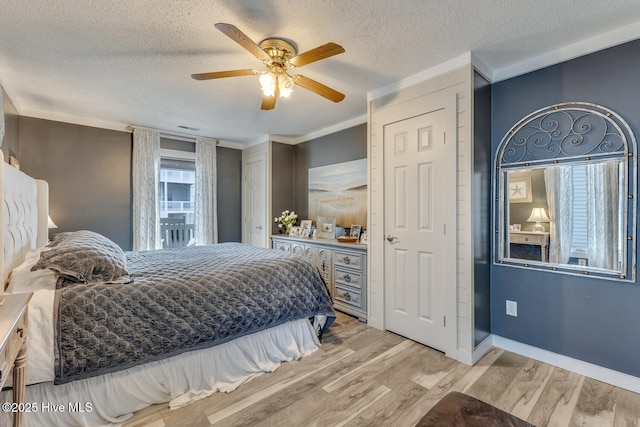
(538, 215)
(52, 224)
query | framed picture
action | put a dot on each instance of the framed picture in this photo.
(355, 231)
(364, 239)
(326, 227)
(306, 232)
(295, 232)
(305, 224)
(520, 190)
(515, 227)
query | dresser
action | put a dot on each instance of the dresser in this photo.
(342, 265)
(13, 348)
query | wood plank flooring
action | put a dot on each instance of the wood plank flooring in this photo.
(361, 376)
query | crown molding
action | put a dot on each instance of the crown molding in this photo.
(571, 51)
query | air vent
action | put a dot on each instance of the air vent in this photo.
(188, 128)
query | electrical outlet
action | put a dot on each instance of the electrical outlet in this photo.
(512, 308)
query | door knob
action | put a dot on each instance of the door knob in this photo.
(391, 238)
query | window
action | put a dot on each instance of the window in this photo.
(177, 193)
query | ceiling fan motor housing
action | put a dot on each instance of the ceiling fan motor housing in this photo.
(281, 51)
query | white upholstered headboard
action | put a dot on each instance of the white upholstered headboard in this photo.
(24, 216)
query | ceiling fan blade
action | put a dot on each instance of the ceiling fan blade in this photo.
(222, 74)
(313, 55)
(241, 38)
(269, 102)
(319, 88)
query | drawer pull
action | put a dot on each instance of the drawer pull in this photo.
(347, 296)
(347, 278)
(526, 239)
(346, 260)
(20, 332)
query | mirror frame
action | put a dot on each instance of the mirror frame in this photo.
(537, 140)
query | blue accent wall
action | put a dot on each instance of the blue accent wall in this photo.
(594, 320)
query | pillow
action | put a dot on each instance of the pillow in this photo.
(83, 256)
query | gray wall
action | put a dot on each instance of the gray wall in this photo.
(346, 145)
(584, 318)
(89, 175)
(282, 177)
(229, 187)
(12, 128)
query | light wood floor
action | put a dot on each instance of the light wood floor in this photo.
(365, 377)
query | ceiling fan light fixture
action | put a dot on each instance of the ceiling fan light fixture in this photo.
(285, 84)
(268, 82)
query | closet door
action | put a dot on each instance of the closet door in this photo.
(255, 230)
(420, 228)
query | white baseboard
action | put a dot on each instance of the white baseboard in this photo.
(600, 373)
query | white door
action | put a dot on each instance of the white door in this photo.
(420, 228)
(255, 201)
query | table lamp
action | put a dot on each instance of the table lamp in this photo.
(538, 215)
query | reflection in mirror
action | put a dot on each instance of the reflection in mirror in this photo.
(563, 199)
(573, 214)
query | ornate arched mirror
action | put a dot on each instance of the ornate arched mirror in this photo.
(565, 189)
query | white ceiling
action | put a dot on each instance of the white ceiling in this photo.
(114, 63)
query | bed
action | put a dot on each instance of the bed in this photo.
(128, 330)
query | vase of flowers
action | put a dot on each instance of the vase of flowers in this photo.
(285, 221)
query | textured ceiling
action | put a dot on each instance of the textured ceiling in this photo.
(122, 62)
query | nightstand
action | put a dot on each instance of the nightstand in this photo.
(13, 345)
(531, 238)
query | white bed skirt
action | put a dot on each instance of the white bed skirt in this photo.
(111, 399)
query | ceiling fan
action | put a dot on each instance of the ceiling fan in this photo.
(279, 56)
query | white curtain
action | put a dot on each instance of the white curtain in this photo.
(603, 213)
(146, 180)
(559, 183)
(206, 209)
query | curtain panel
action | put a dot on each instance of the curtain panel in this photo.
(206, 208)
(146, 181)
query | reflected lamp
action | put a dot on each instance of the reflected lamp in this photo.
(538, 215)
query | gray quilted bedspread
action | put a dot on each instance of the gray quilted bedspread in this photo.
(181, 300)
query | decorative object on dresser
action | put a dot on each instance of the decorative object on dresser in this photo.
(342, 265)
(355, 231)
(13, 347)
(295, 231)
(364, 239)
(306, 223)
(326, 227)
(285, 221)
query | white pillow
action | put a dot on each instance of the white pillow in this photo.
(22, 279)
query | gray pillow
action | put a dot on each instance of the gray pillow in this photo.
(83, 256)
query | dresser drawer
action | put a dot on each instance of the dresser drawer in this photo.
(348, 259)
(282, 246)
(348, 278)
(350, 297)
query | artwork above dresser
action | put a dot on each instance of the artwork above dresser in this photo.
(342, 265)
